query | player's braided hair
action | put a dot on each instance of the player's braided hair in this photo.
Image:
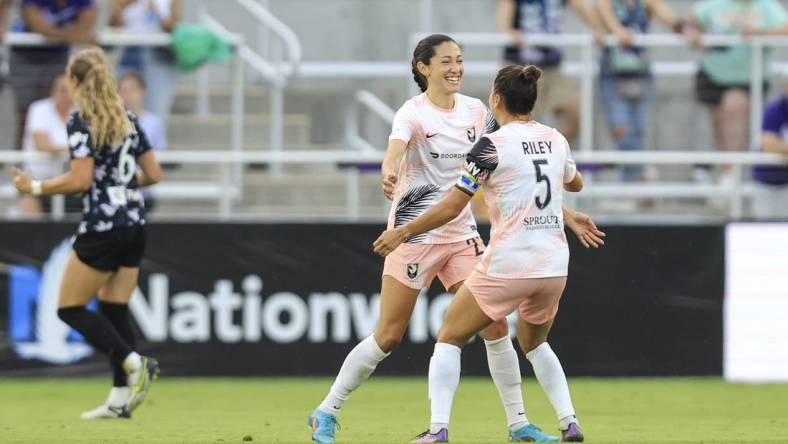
(518, 86)
(97, 97)
(424, 51)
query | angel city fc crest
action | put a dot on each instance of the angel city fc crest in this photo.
(471, 133)
(412, 270)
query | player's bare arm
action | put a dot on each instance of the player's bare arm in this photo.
(150, 171)
(446, 210)
(76, 180)
(390, 167)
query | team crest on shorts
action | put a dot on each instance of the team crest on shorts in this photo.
(471, 133)
(412, 270)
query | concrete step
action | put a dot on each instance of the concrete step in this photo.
(216, 129)
(220, 98)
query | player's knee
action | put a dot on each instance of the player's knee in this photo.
(388, 341)
(530, 344)
(451, 337)
(495, 331)
(68, 314)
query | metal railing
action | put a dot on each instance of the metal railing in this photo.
(224, 190)
(274, 71)
(365, 101)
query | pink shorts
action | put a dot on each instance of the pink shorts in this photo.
(537, 299)
(416, 265)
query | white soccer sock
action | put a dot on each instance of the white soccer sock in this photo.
(118, 396)
(358, 366)
(550, 374)
(505, 372)
(132, 362)
(444, 376)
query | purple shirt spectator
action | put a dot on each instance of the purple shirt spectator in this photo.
(56, 13)
(63, 22)
(775, 120)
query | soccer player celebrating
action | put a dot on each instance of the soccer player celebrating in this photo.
(107, 146)
(522, 167)
(431, 135)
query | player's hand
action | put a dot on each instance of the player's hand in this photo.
(517, 37)
(586, 230)
(625, 39)
(750, 31)
(599, 38)
(22, 180)
(693, 36)
(389, 183)
(388, 241)
(80, 36)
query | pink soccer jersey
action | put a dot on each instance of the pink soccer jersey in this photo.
(438, 141)
(522, 167)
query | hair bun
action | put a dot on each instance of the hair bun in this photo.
(530, 73)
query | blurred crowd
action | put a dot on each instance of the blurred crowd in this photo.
(626, 84)
(36, 75)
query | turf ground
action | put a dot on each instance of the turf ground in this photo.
(391, 410)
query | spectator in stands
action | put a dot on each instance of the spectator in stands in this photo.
(558, 93)
(723, 82)
(625, 80)
(133, 91)
(45, 132)
(155, 64)
(4, 6)
(771, 198)
(64, 22)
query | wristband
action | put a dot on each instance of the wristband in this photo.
(36, 188)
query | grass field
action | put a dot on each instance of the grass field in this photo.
(391, 410)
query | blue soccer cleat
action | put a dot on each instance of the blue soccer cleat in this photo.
(531, 433)
(323, 426)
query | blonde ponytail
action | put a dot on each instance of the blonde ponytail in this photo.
(97, 98)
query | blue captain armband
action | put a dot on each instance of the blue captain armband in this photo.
(467, 184)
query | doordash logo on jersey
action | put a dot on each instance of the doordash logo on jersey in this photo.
(447, 155)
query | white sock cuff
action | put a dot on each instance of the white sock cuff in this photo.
(542, 348)
(132, 362)
(377, 353)
(447, 348)
(499, 345)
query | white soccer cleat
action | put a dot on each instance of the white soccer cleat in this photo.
(105, 411)
(140, 379)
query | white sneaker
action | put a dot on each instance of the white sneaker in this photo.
(139, 380)
(106, 411)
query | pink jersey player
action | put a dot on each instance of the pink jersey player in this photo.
(524, 167)
(437, 142)
(432, 134)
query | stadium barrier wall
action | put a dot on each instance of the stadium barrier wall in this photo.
(293, 299)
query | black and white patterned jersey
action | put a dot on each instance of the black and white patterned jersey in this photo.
(114, 199)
